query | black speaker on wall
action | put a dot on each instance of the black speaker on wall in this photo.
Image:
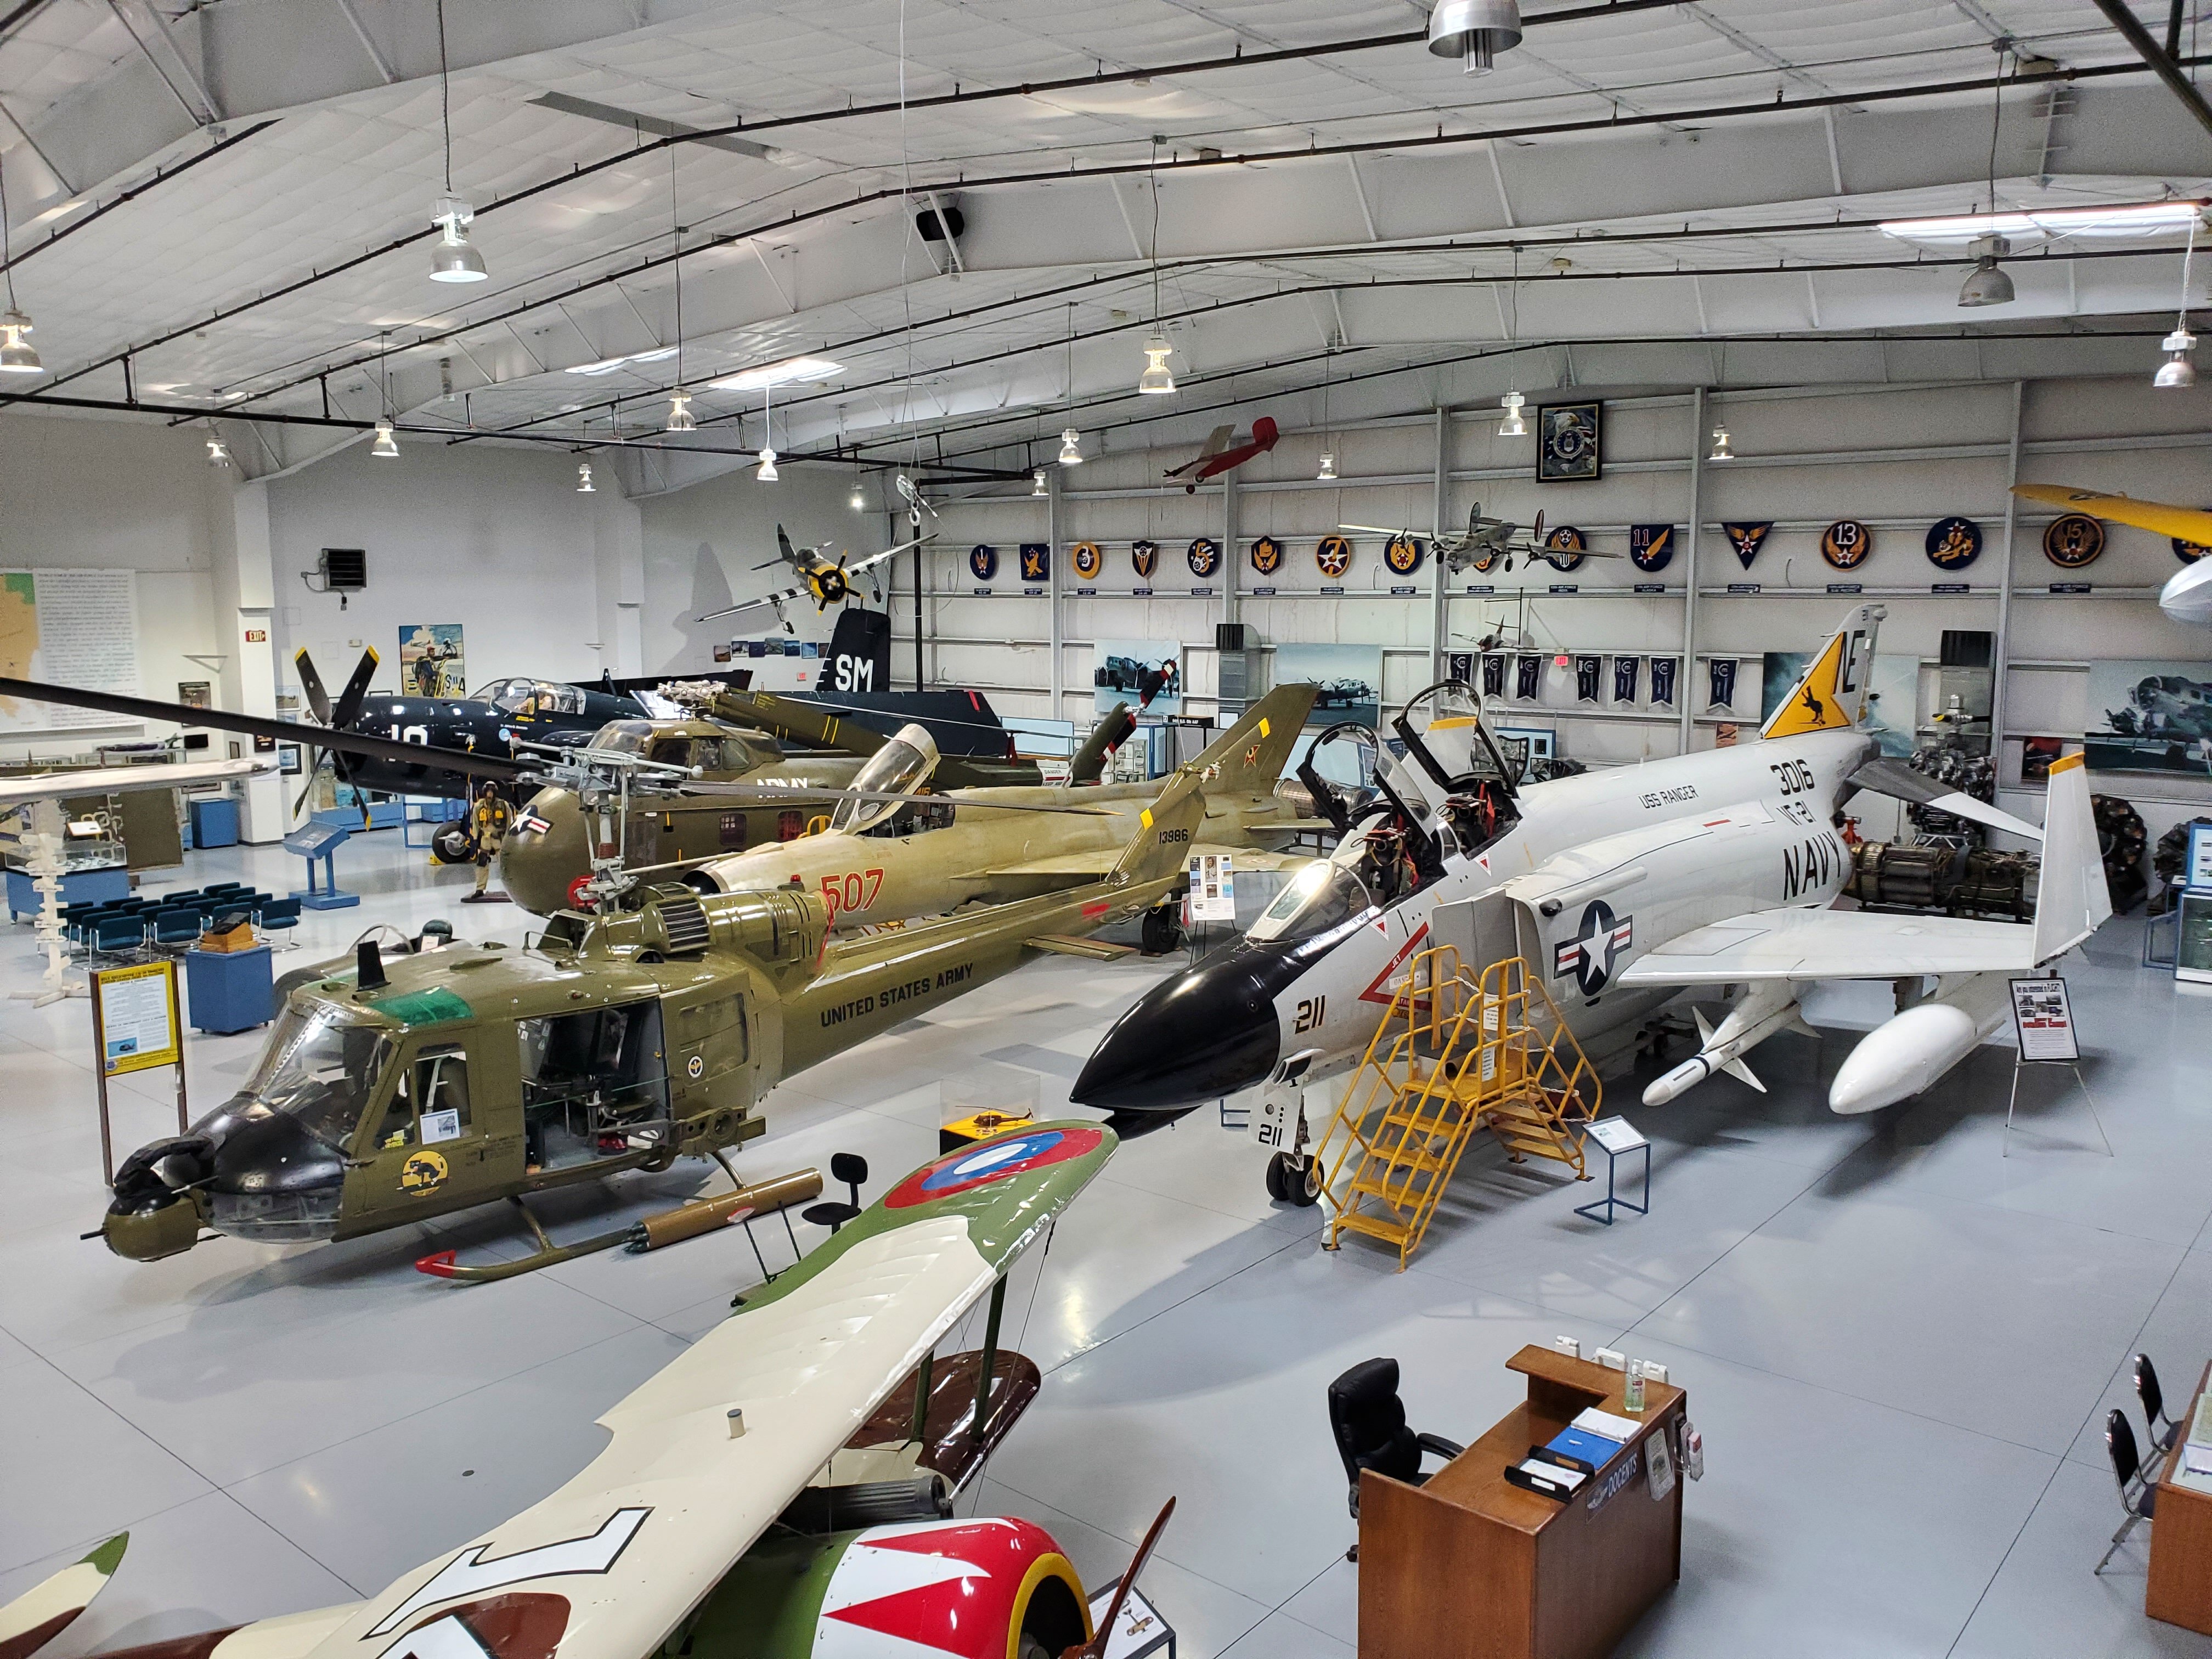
(1233, 636)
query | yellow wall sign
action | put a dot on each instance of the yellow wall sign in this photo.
(134, 1011)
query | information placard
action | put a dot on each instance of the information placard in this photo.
(2044, 1020)
(1212, 887)
(1616, 1134)
(135, 1012)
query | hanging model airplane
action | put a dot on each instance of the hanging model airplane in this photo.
(825, 581)
(879, 861)
(1486, 541)
(1221, 455)
(2187, 595)
(624, 1039)
(782, 1489)
(1621, 888)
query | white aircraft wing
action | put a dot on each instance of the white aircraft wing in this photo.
(889, 553)
(1810, 944)
(120, 779)
(770, 602)
(1216, 441)
(610, 1565)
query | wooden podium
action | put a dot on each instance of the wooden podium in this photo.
(2180, 1587)
(1470, 1566)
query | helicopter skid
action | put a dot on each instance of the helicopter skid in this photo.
(664, 1227)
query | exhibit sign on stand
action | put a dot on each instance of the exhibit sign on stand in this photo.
(2193, 927)
(136, 1026)
(2043, 1021)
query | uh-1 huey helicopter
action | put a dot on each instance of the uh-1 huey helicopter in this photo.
(647, 1030)
(1487, 541)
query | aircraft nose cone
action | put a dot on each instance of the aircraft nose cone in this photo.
(1206, 1032)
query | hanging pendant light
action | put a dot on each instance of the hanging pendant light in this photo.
(1512, 426)
(1474, 32)
(1071, 448)
(2179, 369)
(680, 418)
(1037, 485)
(1071, 441)
(218, 451)
(386, 448)
(1987, 284)
(860, 498)
(1721, 450)
(17, 355)
(454, 257)
(583, 484)
(767, 472)
(1156, 380)
(1328, 473)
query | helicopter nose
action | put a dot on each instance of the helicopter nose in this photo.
(1205, 1033)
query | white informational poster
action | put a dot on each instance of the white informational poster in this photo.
(77, 627)
(1616, 1134)
(1212, 887)
(2044, 1020)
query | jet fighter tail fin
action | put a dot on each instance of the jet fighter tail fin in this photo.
(2071, 896)
(1830, 695)
(1165, 830)
(1250, 756)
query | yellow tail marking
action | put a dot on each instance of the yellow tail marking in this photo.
(2066, 762)
(1814, 703)
(1266, 730)
(1145, 818)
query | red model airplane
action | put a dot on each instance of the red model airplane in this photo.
(1219, 456)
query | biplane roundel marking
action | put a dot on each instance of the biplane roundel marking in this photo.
(994, 1160)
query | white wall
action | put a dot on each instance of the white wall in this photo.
(120, 494)
(1896, 458)
(700, 545)
(496, 539)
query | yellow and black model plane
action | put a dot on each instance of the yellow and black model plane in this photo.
(825, 581)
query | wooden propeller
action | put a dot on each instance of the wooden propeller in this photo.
(1095, 1647)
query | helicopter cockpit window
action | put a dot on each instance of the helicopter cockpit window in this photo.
(900, 766)
(320, 1068)
(1321, 896)
(623, 737)
(431, 1104)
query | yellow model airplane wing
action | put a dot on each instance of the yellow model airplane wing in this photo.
(2190, 524)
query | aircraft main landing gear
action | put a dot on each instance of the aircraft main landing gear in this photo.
(1294, 1178)
(1161, 929)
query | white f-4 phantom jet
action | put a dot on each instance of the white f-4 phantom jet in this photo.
(1626, 888)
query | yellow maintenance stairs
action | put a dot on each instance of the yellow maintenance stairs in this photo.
(1455, 1053)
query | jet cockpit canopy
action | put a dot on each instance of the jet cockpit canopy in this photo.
(903, 766)
(524, 697)
(1448, 739)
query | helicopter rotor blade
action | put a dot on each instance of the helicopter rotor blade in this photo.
(771, 792)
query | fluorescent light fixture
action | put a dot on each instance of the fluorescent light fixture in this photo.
(17, 355)
(1512, 426)
(680, 418)
(767, 473)
(1156, 381)
(609, 365)
(1071, 448)
(583, 484)
(454, 257)
(384, 448)
(789, 371)
(2137, 219)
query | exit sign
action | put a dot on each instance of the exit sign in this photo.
(257, 637)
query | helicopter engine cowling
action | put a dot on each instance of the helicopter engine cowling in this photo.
(783, 925)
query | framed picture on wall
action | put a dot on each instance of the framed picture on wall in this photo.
(287, 759)
(1570, 443)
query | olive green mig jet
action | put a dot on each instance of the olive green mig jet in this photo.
(389, 1093)
(783, 1489)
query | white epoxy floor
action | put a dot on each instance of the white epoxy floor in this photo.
(1899, 1345)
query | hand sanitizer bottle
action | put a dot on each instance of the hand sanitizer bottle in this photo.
(1632, 1390)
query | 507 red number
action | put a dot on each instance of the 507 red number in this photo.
(855, 890)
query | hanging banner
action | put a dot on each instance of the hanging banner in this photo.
(1663, 680)
(1846, 543)
(1204, 557)
(2073, 540)
(1954, 543)
(982, 561)
(1528, 677)
(1563, 548)
(1266, 555)
(1334, 556)
(1459, 665)
(1144, 555)
(1403, 555)
(1088, 558)
(1721, 676)
(1587, 670)
(1493, 676)
(1624, 678)
(1651, 546)
(1747, 539)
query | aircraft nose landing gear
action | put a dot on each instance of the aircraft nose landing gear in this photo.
(1294, 1178)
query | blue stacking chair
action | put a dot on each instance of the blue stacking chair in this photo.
(280, 916)
(117, 930)
(179, 925)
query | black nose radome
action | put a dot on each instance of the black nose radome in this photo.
(1207, 1032)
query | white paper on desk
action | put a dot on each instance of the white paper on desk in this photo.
(1557, 1474)
(1623, 1429)
(2197, 1460)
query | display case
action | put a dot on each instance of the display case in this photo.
(2192, 950)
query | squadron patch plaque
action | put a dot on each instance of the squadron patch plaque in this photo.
(2073, 540)
(1845, 543)
(1334, 556)
(1954, 543)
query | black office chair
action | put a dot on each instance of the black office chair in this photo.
(2153, 1404)
(2137, 1497)
(1369, 1420)
(851, 1169)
